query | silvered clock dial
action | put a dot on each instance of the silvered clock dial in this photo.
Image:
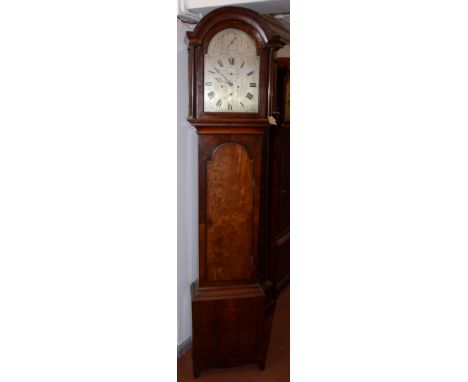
(231, 73)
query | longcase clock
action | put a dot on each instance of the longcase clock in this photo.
(232, 84)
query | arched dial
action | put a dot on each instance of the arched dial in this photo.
(231, 73)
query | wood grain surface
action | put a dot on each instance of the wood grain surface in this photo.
(230, 181)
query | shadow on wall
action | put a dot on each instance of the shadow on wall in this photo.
(187, 195)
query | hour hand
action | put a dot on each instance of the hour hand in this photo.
(223, 81)
(219, 72)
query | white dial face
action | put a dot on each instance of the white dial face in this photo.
(231, 73)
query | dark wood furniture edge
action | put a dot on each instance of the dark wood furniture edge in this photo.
(280, 285)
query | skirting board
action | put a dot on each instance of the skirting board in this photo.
(184, 347)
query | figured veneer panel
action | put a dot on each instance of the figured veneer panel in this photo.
(230, 173)
(230, 193)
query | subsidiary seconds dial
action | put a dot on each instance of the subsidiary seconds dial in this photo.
(231, 73)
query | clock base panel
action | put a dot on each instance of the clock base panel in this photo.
(231, 325)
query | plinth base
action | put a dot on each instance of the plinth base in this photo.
(231, 325)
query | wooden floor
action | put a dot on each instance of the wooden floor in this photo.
(277, 363)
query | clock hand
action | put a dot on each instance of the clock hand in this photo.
(221, 80)
(219, 72)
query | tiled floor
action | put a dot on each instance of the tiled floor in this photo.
(277, 363)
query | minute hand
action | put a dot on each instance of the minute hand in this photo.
(219, 72)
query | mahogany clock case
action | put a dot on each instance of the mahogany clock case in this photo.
(278, 205)
(267, 33)
(233, 298)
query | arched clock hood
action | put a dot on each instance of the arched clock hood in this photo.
(272, 33)
(269, 36)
